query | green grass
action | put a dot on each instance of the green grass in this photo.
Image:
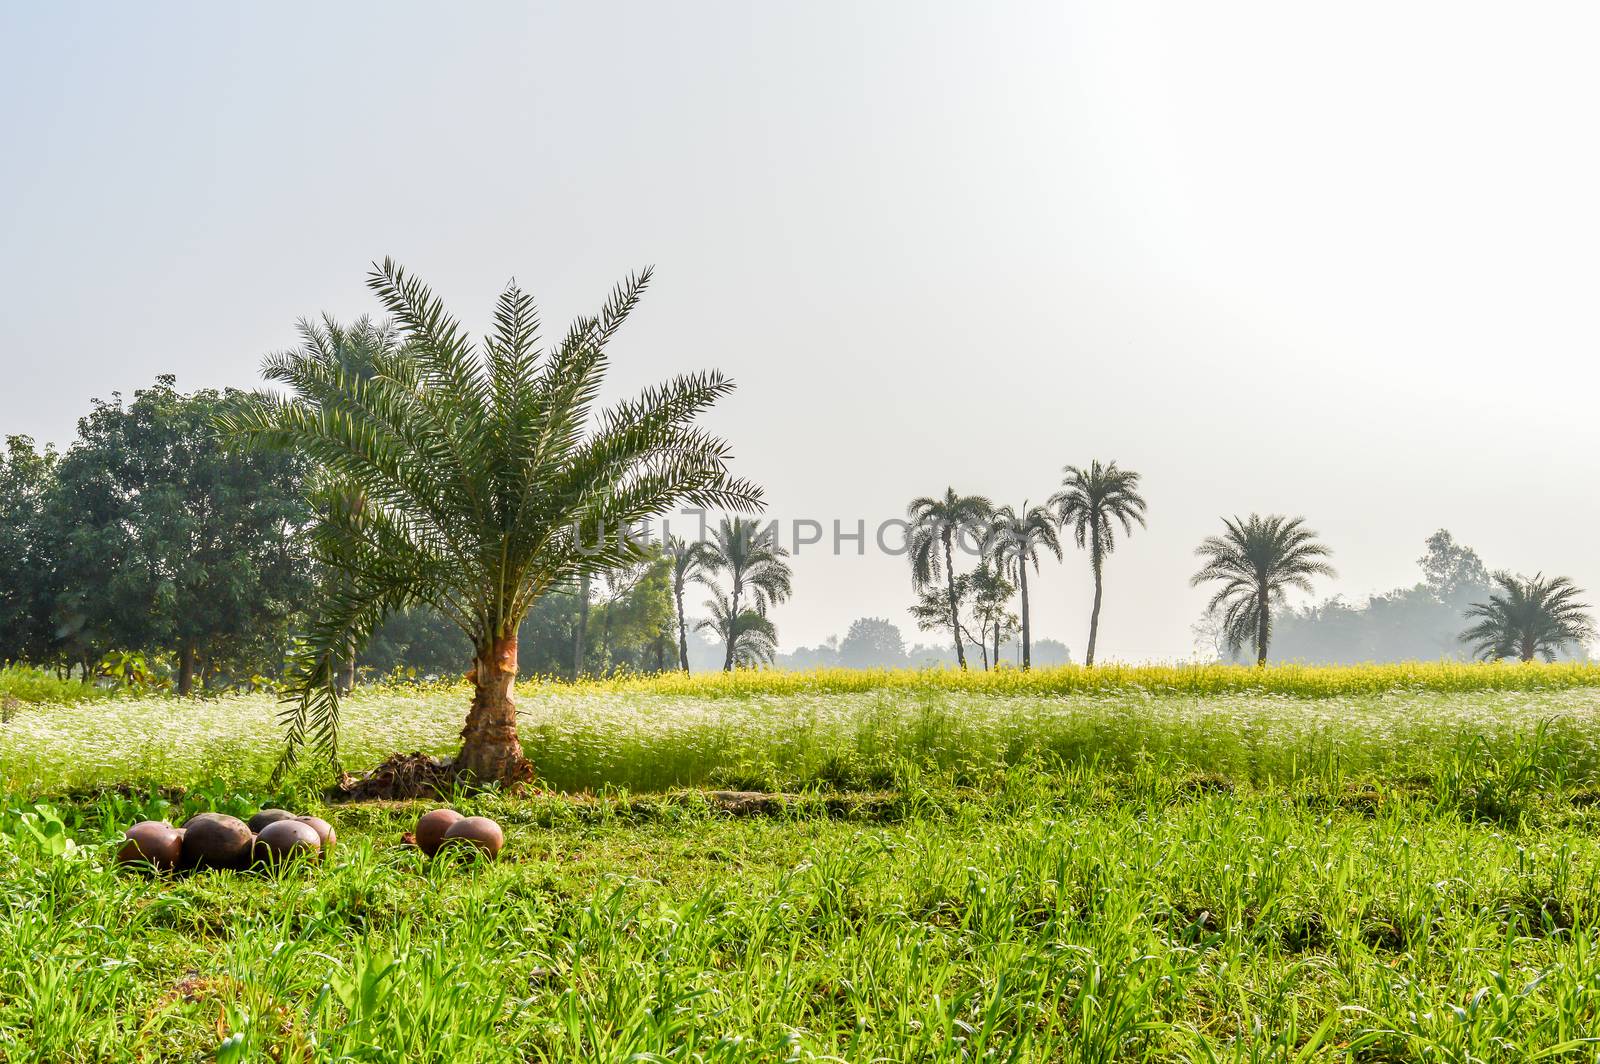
(1413, 875)
(19, 683)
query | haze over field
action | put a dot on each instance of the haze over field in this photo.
(1285, 260)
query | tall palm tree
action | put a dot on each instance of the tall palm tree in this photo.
(757, 572)
(1016, 538)
(1093, 501)
(488, 479)
(752, 639)
(689, 566)
(935, 524)
(1257, 559)
(1529, 617)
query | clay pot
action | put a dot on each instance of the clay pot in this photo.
(324, 830)
(478, 831)
(216, 840)
(269, 816)
(152, 842)
(431, 828)
(284, 839)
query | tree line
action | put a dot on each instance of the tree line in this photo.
(1252, 566)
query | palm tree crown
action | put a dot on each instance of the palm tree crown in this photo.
(482, 484)
(1257, 560)
(1016, 539)
(757, 573)
(1093, 501)
(1529, 617)
(935, 525)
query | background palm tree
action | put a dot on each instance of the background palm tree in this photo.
(1257, 560)
(484, 486)
(689, 566)
(751, 638)
(1016, 538)
(1530, 617)
(757, 573)
(1093, 501)
(935, 523)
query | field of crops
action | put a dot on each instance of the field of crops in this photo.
(1362, 864)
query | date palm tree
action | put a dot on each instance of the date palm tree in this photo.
(689, 566)
(752, 638)
(757, 574)
(1258, 559)
(1016, 538)
(1093, 501)
(1529, 617)
(935, 524)
(486, 478)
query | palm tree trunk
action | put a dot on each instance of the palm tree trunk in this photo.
(1263, 627)
(733, 621)
(683, 632)
(1027, 657)
(950, 583)
(1098, 564)
(490, 750)
(580, 628)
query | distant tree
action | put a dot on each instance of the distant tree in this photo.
(1529, 617)
(1450, 569)
(489, 481)
(758, 578)
(1051, 652)
(750, 638)
(991, 606)
(935, 524)
(932, 612)
(689, 565)
(636, 616)
(1093, 501)
(1257, 560)
(1016, 538)
(27, 569)
(872, 643)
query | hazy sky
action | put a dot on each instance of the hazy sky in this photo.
(1337, 260)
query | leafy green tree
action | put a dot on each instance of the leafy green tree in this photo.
(27, 475)
(872, 643)
(483, 486)
(1016, 538)
(758, 576)
(1257, 559)
(635, 614)
(168, 541)
(689, 565)
(991, 606)
(1529, 617)
(935, 525)
(1093, 501)
(933, 612)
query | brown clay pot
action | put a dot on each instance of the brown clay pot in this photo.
(216, 840)
(478, 831)
(431, 828)
(324, 830)
(152, 842)
(268, 816)
(284, 839)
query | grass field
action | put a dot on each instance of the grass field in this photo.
(1331, 864)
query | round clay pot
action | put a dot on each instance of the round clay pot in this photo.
(324, 830)
(269, 816)
(216, 840)
(431, 828)
(152, 842)
(478, 831)
(284, 839)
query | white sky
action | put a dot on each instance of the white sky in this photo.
(1337, 260)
